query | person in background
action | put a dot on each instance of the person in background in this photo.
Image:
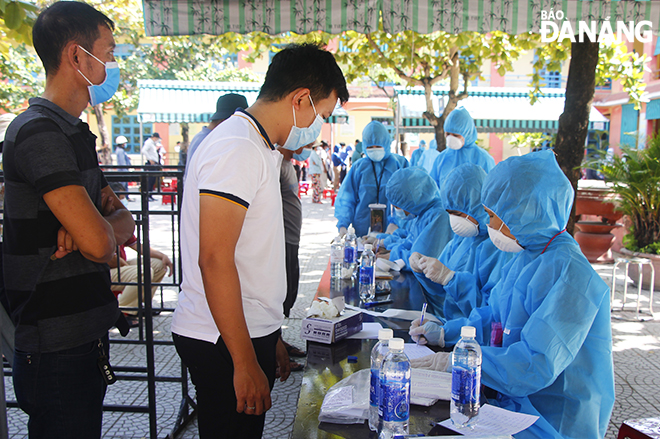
(122, 160)
(358, 153)
(225, 106)
(366, 182)
(336, 168)
(546, 332)
(428, 156)
(316, 169)
(417, 154)
(62, 226)
(461, 277)
(328, 164)
(151, 161)
(461, 147)
(413, 193)
(227, 324)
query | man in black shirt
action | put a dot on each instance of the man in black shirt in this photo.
(62, 224)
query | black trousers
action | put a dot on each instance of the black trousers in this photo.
(292, 277)
(212, 373)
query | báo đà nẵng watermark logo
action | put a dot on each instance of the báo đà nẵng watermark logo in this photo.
(596, 31)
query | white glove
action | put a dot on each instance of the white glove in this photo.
(414, 262)
(342, 231)
(437, 271)
(368, 239)
(391, 228)
(440, 361)
(429, 332)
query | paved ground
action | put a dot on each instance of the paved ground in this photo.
(636, 351)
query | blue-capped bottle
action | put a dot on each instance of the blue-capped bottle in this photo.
(350, 253)
(394, 392)
(378, 353)
(465, 379)
(336, 258)
(367, 275)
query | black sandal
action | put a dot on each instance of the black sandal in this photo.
(294, 351)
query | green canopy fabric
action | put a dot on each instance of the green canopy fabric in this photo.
(215, 17)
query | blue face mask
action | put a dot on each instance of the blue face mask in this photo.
(399, 213)
(104, 91)
(303, 136)
(376, 154)
(304, 155)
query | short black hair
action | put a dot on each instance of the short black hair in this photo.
(61, 23)
(304, 66)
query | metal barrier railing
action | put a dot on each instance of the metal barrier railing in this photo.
(137, 179)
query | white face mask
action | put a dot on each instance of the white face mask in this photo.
(399, 213)
(454, 142)
(376, 154)
(463, 226)
(503, 242)
(299, 137)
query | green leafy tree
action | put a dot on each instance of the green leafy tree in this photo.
(16, 20)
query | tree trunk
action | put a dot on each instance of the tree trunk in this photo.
(574, 121)
(104, 151)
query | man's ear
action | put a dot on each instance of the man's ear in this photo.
(300, 96)
(72, 56)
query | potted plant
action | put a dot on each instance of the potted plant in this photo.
(635, 178)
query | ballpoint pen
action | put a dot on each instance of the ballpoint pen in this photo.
(421, 319)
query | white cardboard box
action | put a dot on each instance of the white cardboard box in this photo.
(331, 330)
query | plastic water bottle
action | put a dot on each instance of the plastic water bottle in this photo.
(465, 379)
(378, 353)
(350, 251)
(336, 258)
(394, 392)
(367, 275)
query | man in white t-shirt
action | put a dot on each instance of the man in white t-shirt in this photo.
(227, 324)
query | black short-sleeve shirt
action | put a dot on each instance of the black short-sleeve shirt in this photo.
(59, 304)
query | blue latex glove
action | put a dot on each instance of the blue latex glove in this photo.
(429, 332)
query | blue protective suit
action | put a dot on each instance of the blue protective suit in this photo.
(428, 157)
(413, 190)
(366, 182)
(556, 354)
(417, 154)
(460, 122)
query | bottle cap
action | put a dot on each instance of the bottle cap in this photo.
(368, 246)
(468, 331)
(351, 230)
(385, 334)
(396, 344)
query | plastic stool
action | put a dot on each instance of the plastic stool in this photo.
(640, 262)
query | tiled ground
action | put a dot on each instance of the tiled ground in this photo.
(636, 351)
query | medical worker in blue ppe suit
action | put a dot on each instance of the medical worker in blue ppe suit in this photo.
(428, 157)
(366, 181)
(461, 147)
(555, 359)
(413, 192)
(417, 154)
(462, 277)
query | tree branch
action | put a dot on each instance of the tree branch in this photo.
(394, 67)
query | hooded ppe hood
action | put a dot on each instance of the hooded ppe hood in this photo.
(375, 133)
(413, 190)
(460, 122)
(531, 195)
(461, 191)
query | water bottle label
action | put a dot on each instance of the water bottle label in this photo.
(366, 275)
(465, 383)
(336, 255)
(395, 401)
(349, 255)
(375, 385)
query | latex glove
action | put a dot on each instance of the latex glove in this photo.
(429, 332)
(342, 231)
(440, 361)
(414, 262)
(391, 228)
(437, 271)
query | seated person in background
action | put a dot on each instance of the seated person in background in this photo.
(461, 278)
(128, 272)
(550, 351)
(413, 194)
(366, 182)
(461, 147)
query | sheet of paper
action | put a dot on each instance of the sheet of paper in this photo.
(407, 314)
(430, 384)
(495, 421)
(339, 398)
(369, 331)
(413, 351)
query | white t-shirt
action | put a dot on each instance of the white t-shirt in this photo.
(235, 162)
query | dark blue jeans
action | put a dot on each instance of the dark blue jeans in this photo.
(62, 391)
